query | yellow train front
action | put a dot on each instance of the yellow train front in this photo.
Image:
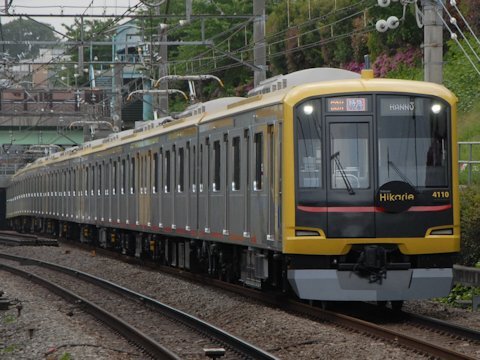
(371, 209)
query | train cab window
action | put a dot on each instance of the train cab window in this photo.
(258, 171)
(413, 144)
(349, 146)
(236, 164)
(308, 127)
(216, 166)
(167, 171)
(181, 170)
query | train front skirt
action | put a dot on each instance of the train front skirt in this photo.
(334, 285)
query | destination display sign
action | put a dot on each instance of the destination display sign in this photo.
(401, 106)
(347, 104)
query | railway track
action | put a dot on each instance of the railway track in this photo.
(437, 341)
(11, 238)
(135, 315)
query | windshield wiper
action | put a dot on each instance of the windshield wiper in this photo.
(341, 169)
(397, 170)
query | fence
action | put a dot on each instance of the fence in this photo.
(469, 167)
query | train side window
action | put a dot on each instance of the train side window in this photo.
(167, 171)
(87, 180)
(193, 169)
(201, 168)
(154, 173)
(114, 178)
(160, 171)
(99, 184)
(92, 181)
(108, 166)
(216, 166)
(123, 176)
(236, 164)
(258, 148)
(181, 170)
(132, 175)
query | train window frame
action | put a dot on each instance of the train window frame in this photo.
(201, 170)
(193, 169)
(422, 113)
(236, 156)
(258, 142)
(132, 177)
(181, 170)
(123, 176)
(154, 172)
(167, 172)
(309, 146)
(114, 177)
(216, 185)
(100, 178)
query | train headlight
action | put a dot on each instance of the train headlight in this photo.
(308, 109)
(436, 108)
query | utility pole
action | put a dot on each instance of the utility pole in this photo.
(259, 50)
(162, 67)
(432, 41)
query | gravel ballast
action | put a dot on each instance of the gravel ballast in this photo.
(285, 335)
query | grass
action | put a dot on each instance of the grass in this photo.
(9, 319)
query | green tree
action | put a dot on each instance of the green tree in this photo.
(92, 30)
(21, 30)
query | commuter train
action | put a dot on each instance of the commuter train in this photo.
(335, 185)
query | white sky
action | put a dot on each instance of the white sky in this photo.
(69, 7)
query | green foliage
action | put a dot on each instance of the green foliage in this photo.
(459, 73)
(9, 319)
(9, 349)
(460, 293)
(66, 356)
(470, 231)
(25, 30)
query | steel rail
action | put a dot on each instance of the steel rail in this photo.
(469, 334)
(283, 302)
(239, 345)
(149, 345)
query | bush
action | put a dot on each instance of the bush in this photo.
(470, 225)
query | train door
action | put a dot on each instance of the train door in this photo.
(100, 198)
(350, 182)
(261, 183)
(167, 202)
(217, 184)
(141, 195)
(203, 185)
(237, 184)
(147, 187)
(193, 187)
(181, 191)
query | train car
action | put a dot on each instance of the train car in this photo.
(333, 184)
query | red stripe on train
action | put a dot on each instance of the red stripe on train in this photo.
(367, 209)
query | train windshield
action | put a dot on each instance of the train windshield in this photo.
(412, 141)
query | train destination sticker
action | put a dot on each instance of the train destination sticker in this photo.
(396, 196)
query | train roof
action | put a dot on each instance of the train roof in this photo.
(288, 89)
